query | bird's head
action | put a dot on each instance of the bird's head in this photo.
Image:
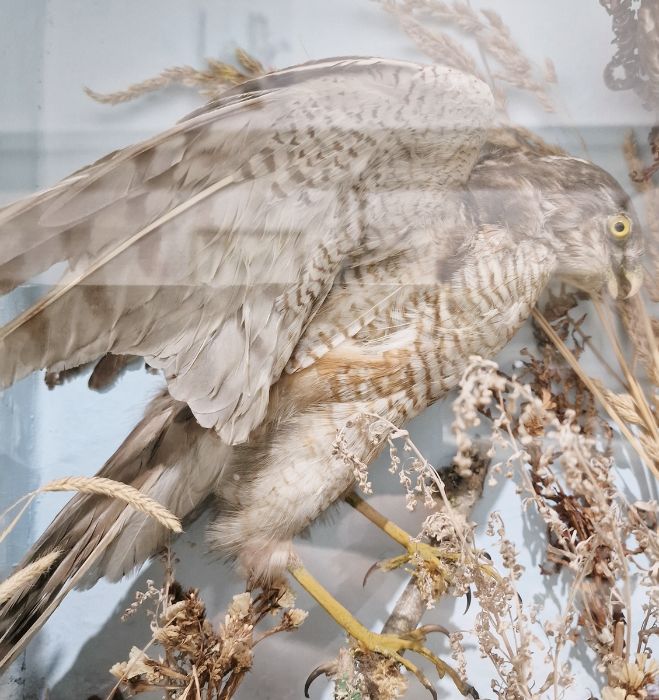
(595, 230)
(576, 208)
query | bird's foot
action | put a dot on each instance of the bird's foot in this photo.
(390, 646)
(431, 565)
(428, 564)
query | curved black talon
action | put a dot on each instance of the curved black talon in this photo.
(427, 629)
(430, 689)
(473, 692)
(327, 669)
(369, 572)
(468, 597)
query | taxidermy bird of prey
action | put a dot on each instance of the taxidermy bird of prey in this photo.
(329, 239)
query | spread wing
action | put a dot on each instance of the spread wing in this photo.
(209, 248)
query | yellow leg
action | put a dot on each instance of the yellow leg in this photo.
(395, 532)
(431, 556)
(388, 645)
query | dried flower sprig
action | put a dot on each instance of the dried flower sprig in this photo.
(565, 468)
(198, 659)
(635, 65)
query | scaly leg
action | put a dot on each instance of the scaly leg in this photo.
(432, 557)
(388, 645)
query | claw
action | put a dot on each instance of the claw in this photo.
(327, 669)
(420, 676)
(386, 565)
(428, 629)
(468, 596)
(420, 633)
(473, 692)
(369, 572)
(444, 669)
(394, 562)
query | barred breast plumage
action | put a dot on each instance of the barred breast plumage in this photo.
(410, 353)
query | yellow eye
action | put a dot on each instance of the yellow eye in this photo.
(620, 226)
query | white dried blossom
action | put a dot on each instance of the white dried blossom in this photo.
(609, 693)
(239, 606)
(135, 666)
(294, 617)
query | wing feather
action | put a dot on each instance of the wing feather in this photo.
(209, 248)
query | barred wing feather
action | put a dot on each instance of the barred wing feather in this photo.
(209, 248)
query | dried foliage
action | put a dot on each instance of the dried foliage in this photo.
(198, 659)
(546, 427)
(422, 19)
(635, 65)
(210, 83)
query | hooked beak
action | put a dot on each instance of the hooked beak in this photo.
(626, 284)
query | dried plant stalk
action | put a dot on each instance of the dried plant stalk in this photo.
(99, 486)
(648, 421)
(486, 27)
(211, 82)
(27, 575)
(652, 459)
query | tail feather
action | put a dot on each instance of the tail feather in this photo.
(167, 456)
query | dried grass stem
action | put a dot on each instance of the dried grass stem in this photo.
(26, 576)
(594, 390)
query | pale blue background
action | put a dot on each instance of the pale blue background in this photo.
(48, 127)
